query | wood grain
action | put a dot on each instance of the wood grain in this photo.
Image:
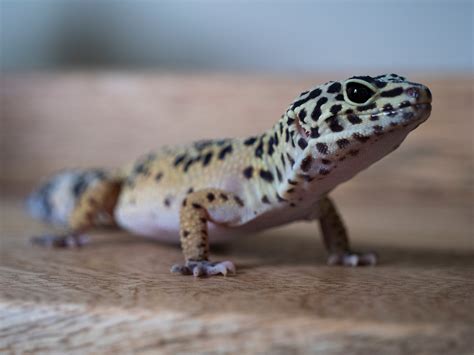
(116, 295)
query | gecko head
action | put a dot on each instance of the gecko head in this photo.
(348, 125)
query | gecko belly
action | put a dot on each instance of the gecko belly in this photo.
(154, 222)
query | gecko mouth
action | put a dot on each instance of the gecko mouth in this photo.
(415, 112)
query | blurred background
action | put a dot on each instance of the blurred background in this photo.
(250, 36)
(98, 83)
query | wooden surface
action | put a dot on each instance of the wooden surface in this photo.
(116, 295)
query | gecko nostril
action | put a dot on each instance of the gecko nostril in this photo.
(413, 92)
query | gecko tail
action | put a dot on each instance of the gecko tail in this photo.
(55, 200)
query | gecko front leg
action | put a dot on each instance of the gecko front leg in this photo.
(336, 240)
(197, 210)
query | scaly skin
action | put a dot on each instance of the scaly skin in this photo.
(217, 188)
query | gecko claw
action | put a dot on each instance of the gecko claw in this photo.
(352, 259)
(204, 268)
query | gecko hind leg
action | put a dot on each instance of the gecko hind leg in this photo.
(199, 208)
(336, 239)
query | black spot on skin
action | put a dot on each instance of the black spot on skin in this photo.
(322, 148)
(380, 84)
(250, 140)
(222, 142)
(302, 115)
(360, 137)
(335, 109)
(196, 206)
(377, 128)
(189, 190)
(141, 169)
(200, 145)
(287, 135)
(185, 233)
(259, 149)
(339, 97)
(334, 124)
(80, 185)
(189, 163)
(365, 78)
(203, 220)
(279, 198)
(392, 93)
(404, 104)
(306, 163)
(317, 109)
(265, 199)
(185, 201)
(292, 204)
(207, 159)
(279, 176)
(275, 138)
(306, 177)
(292, 133)
(167, 202)
(343, 143)
(283, 161)
(158, 177)
(223, 196)
(342, 158)
(323, 171)
(289, 121)
(374, 117)
(334, 87)
(387, 108)
(313, 94)
(270, 149)
(224, 152)
(179, 159)
(290, 159)
(290, 191)
(366, 107)
(239, 201)
(266, 175)
(326, 161)
(302, 143)
(248, 172)
(314, 132)
(354, 119)
(291, 182)
(281, 128)
(354, 152)
(210, 197)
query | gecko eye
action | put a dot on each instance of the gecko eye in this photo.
(358, 93)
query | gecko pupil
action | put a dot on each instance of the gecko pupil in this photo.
(358, 93)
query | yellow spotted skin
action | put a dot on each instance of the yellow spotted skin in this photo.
(238, 186)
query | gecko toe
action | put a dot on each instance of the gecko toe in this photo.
(204, 268)
(352, 259)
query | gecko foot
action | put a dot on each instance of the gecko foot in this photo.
(204, 268)
(352, 259)
(60, 241)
